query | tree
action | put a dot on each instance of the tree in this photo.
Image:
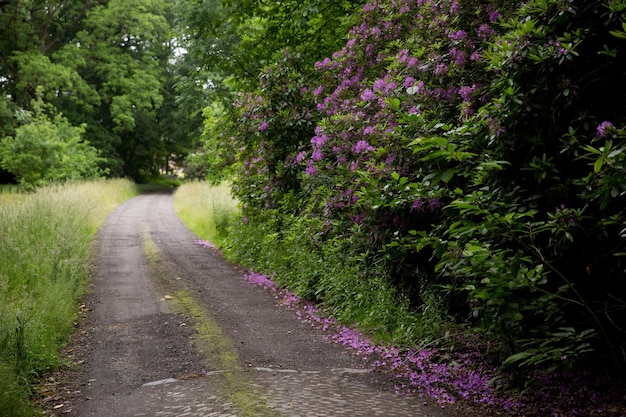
(48, 149)
(103, 64)
(235, 39)
(122, 52)
(233, 43)
(36, 29)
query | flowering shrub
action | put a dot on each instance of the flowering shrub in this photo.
(474, 152)
(456, 141)
(273, 124)
(399, 136)
(382, 90)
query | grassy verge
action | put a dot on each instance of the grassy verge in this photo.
(314, 271)
(45, 243)
(207, 210)
(349, 290)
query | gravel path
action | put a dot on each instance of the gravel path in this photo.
(171, 329)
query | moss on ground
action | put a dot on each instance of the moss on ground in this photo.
(218, 350)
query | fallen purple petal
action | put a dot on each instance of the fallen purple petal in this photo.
(441, 374)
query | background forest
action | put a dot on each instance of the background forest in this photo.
(445, 174)
(93, 81)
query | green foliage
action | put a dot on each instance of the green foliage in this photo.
(235, 39)
(13, 397)
(107, 65)
(273, 126)
(532, 243)
(525, 214)
(212, 41)
(121, 43)
(38, 70)
(218, 155)
(47, 150)
(31, 32)
(314, 28)
(284, 248)
(467, 152)
(557, 350)
(125, 48)
(230, 43)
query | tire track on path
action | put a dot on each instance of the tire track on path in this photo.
(174, 331)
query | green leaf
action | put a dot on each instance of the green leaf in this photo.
(618, 34)
(592, 150)
(598, 165)
(394, 103)
(517, 357)
(447, 175)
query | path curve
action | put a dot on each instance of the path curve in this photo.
(172, 330)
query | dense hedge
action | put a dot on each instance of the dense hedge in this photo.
(474, 151)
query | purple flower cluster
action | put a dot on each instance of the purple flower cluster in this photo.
(362, 146)
(206, 244)
(380, 76)
(444, 376)
(604, 128)
(261, 281)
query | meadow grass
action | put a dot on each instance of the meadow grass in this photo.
(207, 210)
(10, 194)
(45, 248)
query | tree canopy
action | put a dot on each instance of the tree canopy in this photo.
(107, 65)
(47, 148)
(138, 73)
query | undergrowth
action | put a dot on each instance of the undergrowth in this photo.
(426, 352)
(316, 272)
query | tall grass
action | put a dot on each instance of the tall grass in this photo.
(206, 209)
(347, 288)
(45, 243)
(10, 194)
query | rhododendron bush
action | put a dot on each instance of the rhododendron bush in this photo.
(273, 124)
(470, 151)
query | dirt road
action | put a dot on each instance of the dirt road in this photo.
(172, 330)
